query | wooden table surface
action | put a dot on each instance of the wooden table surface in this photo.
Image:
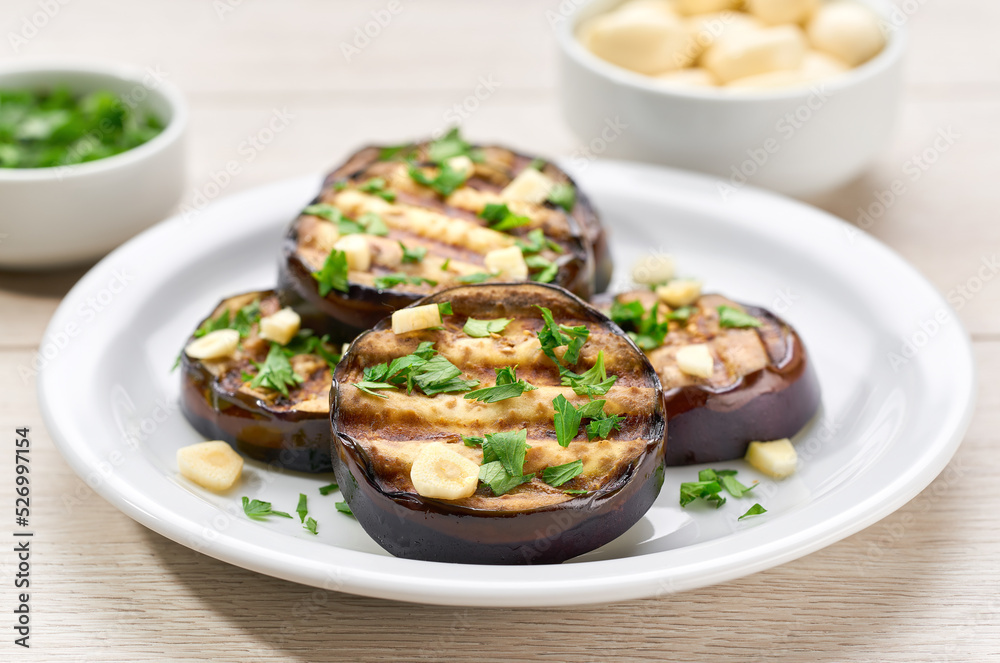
(922, 585)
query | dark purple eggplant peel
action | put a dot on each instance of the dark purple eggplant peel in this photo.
(219, 399)
(444, 220)
(376, 439)
(763, 386)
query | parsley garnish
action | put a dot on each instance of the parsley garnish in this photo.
(537, 164)
(557, 475)
(507, 386)
(333, 275)
(733, 318)
(536, 241)
(564, 195)
(445, 182)
(592, 382)
(329, 488)
(473, 441)
(475, 277)
(259, 510)
(553, 336)
(483, 328)
(391, 152)
(567, 420)
(452, 145)
(501, 218)
(344, 508)
(755, 510)
(710, 485)
(241, 322)
(644, 327)
(310, 526)
(276, 372)
(424, 368)
(376, 186)
(493, 475)
(503, 460)
(306, 343)
(387, 281)
(302, 509)
(415, 254)
(544, 269)
(444, 308)
(373, 224)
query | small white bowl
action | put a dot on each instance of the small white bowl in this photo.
(797, 141)
(53, 217)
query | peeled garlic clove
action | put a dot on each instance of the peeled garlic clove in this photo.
(776, 459)
(508, 262)
(212, 465)
(280, 327)
(751, 52)
(357, 250)
(647, 42)
(679, 292)
(849, 31)
(653, 269)
(696, 360)
(214, 345)
(529, 186)
(440, 473)
(776, 12)
(413, 319)
(704, 6)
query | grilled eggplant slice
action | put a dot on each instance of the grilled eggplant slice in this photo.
(416, 219)
(542, 504)
(760, 383)
(270, 400)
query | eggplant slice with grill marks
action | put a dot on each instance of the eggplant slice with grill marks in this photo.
(417, 219)
(524, 497)
(269, 399)
(761, 386)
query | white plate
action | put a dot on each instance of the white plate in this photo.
(892, 415)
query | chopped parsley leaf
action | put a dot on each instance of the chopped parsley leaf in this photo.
(732, 318)
(424, 368)
(376, 186)
(475, 277)
(452, 145)
(564, 195)
(373, 224)
(501, 218)
(387, 281)
(473, 441)
(507, 447)
(276, 372)
(258, 510)
(557, 475)
(329, 488)
(567, 420)
(333, 275)
(507, 386)
(415, 254)
(483, 328)
(311, 526)
(302, 509)
(500, 482)
(393, 152)
(344, 508)
(536, 241)
(445, 182)
(755, 510)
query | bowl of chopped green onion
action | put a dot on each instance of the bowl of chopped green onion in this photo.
(89, 156)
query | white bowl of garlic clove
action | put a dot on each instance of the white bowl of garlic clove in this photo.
(798, 96)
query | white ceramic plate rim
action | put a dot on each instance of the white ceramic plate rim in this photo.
(768, 544)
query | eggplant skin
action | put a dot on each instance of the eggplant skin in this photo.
(410, 526)
(585, 266)
(282, 436)
(770, 404)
